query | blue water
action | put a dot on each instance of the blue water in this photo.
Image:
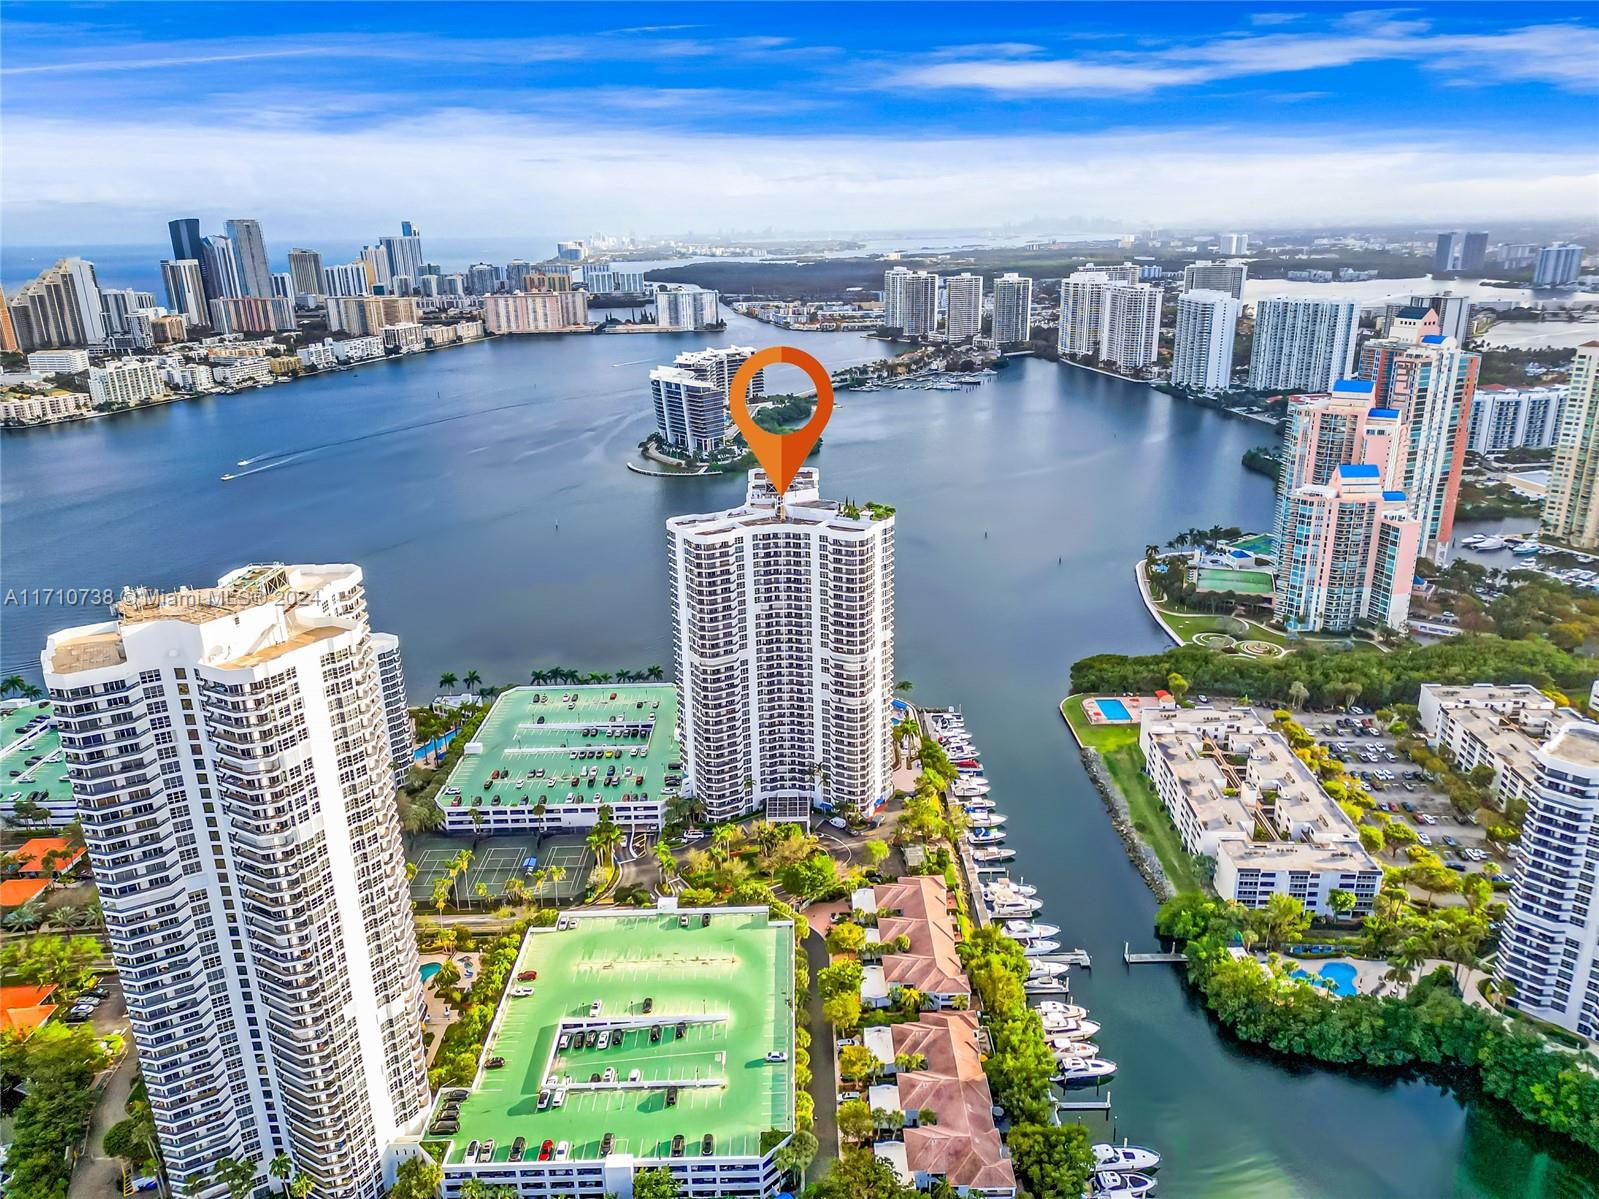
(429, 969)
(1114, 709)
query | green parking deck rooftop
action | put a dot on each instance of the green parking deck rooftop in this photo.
(539, 728)
(729, 980)
(21, 777)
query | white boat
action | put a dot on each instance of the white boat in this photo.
(1034, 948)
(1125, 1157)
(1057, 1029)
(1475, 540)
(1069, 1052)
(1047, 969)
(1024, 930)
(1488, 544)
(1055, 1007)
(1085, 1071)
(1121, 1184)
(984, 857)
(1526, 549)
(986, 819)
(961, 788)
(986, 836)
(1013, 909)
(977, 803)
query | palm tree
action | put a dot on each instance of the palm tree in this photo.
(656, 674)
(665, 860)
(539, 677)
(472, 680)
(13, 682)
(282, 1167)
(447, 680)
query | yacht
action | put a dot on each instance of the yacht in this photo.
(985, 836)
(986, 819)
(1013, 906)
(1059, 1028)
(1083, 1071)
(1069, 1011)
(1070, 1052)
(1488, 544)
(1047, 969)
(1526, 549)
(1024, 930)
(1125, 1157)
(1123, 1184)
(1034, 949)
(991, 855)
(1474, 540)
(977, 803)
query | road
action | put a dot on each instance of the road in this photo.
(96, 1176)
(822, 1087)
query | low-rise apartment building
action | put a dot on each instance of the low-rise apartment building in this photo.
(1238, 793)
(918, 909)
(1490, 725)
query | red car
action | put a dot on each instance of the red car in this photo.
(527, 976)
(546, 1151)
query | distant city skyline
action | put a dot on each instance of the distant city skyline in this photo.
(1160, 114)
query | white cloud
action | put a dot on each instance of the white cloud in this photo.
(1562, 55)
(470, 173)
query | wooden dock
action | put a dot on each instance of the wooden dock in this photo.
(1071, 957)
(1084, 1105)
(1143, 959)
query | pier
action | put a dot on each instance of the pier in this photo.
(1071, 957)
(1143, 959)
(1084, 1105)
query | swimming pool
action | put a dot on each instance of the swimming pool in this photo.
(1337, 977)
(1113, 709)
(429, 969)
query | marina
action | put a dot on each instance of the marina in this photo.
(1015, 905)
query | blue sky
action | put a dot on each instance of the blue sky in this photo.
(325, 119)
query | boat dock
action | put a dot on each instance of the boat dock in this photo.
(1084, 1105)
(1071, 957)
(1144, 959)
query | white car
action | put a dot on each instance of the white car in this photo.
(1424, 838)
(777, 1055)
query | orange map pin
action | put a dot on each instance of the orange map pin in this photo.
(781, 454)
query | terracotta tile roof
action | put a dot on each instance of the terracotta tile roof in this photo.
(963, 1147)
(932, 963)
(25, 1007)
(14, 892)
(30, 854)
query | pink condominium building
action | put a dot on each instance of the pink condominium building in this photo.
(1347, 540)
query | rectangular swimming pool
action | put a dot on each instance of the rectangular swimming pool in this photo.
(1113, 709)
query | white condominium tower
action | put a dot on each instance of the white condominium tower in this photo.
(1130, 330)
(1216, 276)
(185, 290)
(1549, 942)
(1302, 344)
(1202, 350)
(683, 306)
(1013, 310)
(910, 301)
(1104, 316)
(250, 258)
(690, 396)
(1571, 508)
(230, 763)
(783, 619)
(963, 306)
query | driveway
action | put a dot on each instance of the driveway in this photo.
(97, 1176)
(823, 1089)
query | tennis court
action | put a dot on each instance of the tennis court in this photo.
(1245, 582)
(495, 862)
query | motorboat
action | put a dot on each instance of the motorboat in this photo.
(986, 856)
(961, 788)
(986, 836)
(1475, 540)
(1033, 949)
(1074, 1051)
(1023, 930)
(977, 803)
(1125, 1157)
(1013, 908)
(986, 819)
(1121, 1184)
(1526, 549)
(1069, 1030)
(1084, 1071)
(1069, 1011)
(1489, 544)
(967, 762)
(1047, 969)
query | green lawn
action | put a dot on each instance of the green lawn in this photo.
(1118, 745)
(1186, 624)
(1244, 582)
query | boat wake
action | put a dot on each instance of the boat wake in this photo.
(278, 458)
